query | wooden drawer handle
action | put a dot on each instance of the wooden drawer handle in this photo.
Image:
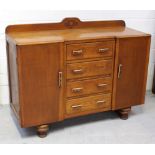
(77, 90)
(102, 50)
(76, 106)
(78, 71)
(77, 52)
(101, 102)
(102, 85)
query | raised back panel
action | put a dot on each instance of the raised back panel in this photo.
(67, 23)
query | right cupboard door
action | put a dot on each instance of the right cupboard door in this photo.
(131, 63)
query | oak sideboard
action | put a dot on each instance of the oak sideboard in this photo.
(74, 68)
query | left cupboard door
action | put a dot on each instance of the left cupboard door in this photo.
(40, 88)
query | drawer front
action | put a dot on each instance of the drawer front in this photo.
(88, 103)
(78, 88)
(90, 50)
(86, 69)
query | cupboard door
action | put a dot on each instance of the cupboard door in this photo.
(39, 66)
(130, 71)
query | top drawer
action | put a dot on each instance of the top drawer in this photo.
(90, 50)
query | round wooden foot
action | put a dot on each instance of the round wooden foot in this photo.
(42, 130)
(123, 113)
(124, 116)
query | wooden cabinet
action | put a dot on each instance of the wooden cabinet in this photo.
(63, 70)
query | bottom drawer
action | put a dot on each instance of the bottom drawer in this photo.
(88, 103)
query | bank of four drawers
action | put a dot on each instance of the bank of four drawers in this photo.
(89, 76)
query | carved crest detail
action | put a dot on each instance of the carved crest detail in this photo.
(70, 23)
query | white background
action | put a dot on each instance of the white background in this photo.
(141, 20)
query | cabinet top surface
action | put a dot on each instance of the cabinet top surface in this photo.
(27, 34)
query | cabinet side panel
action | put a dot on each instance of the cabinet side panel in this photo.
(129, 88)
(38, 72)
(13, 77)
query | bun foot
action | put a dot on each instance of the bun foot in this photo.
(42, 130)
(123, 113)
